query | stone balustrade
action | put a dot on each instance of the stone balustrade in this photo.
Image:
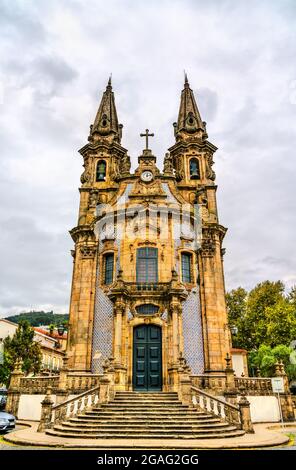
(76, 383)
(254, 385)
(237, 415)
(38, 384)
(224, 410)
(54, 414)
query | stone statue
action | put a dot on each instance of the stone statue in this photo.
(168, 164)
(125, 164)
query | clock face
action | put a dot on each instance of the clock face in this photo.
(146, 176)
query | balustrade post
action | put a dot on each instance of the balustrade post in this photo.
(14, 389)
(104, 392)
(245, 412)
(46, 412)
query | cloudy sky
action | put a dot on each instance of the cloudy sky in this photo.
(56, 56)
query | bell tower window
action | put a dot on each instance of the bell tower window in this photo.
(186, 262)
(101, 170)
(194, 169)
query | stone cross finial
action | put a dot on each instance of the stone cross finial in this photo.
(147, 135)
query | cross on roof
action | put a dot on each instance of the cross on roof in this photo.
(147, 135)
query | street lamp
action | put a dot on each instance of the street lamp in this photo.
(61, 330)
(234, 330)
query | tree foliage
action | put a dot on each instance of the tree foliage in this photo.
(20, 346)
(266, 357)
(40, 318)
(263, 316)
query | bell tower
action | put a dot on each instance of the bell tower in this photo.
(191, 161)
(105, 162)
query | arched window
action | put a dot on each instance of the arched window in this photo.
(147, 309)
(108, 268)
(194, 169)
(147, 265)
(186, 262)
(101, 170)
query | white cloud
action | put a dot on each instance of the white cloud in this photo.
(55, 60)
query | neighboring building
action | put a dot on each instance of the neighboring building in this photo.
(240, 362)
(148, 283)
(51, 347)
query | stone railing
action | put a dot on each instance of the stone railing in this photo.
(148, 286)
(254, 385)
(38, 384)
(214, 405)
(54, 414)
(78, 383)
(237, 415)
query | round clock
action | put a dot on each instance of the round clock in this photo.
(147, 176)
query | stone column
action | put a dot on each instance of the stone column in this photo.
(14, 390)
(175, 312)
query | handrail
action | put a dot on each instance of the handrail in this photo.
(77, 397)
(224, 410)
(202, 392)
(72, 406)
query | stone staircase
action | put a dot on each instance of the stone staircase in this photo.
(159, 415)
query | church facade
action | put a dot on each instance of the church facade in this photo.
(148, 292)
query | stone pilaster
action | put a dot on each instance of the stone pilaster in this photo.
(82, 299)
(216, 334)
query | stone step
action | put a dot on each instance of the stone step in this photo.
(132, 420)
(126, 401)
(144, 426)
(134, 406)
(153, 435)
(142, 413)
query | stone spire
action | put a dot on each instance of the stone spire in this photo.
(189, 119)
(106, 121)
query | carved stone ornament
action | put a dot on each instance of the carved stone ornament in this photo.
(168, 164)
(88, 251)
(210, 174)
(208, 246)
(125, 164)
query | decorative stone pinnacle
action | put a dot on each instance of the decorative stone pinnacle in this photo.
(228, 361)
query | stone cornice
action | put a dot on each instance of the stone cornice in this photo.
(202, 145)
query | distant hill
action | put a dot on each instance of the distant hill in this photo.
(40, 318)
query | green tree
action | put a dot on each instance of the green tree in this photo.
(266, 357)
(259, 315)
(21, 346)
(236, 301)
(281, 323)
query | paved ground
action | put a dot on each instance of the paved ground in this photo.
(266, 436)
